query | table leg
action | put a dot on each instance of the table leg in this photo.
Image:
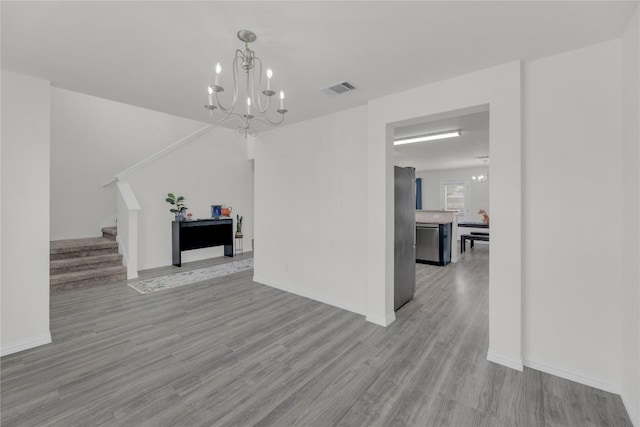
(176, 258)
(228, 250)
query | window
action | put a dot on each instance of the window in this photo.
(454, 195)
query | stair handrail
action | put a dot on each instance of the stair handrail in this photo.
(155, 156)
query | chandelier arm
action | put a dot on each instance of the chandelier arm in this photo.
(249, 89)
(251, 76)
(226, 117)
(261, 111)
(221, 107)
(228, 111)
(267, 121)
(239, 55)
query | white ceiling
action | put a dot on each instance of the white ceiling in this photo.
(451, 153)
(160, 55)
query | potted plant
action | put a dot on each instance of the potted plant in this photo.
(177, 206)
(239, 234)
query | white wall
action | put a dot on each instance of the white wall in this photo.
(212, 169)
(631, 213)
(25, 212)
(91, 140)
(477, 193)
(572, 215)
(311, 209)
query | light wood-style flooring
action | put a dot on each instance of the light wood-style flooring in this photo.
(231, 352)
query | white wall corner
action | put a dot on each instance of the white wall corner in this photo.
(111, 221)
(382, 321)
(572, 375)
(311, 295)
(251, 148)
(509, 362)
(633, 414)
(26, 344)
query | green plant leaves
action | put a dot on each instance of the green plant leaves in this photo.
(177, 202)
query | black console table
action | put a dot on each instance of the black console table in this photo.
(201, 233)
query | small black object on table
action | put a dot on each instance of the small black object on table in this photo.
(201, 233)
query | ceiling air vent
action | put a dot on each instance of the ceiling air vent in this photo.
(340, 88)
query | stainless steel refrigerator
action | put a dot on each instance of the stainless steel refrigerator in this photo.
(405, 236)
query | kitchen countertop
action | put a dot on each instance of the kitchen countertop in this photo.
(434, 217)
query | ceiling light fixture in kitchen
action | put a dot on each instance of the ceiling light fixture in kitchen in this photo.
(427, 137)
(250, 108)
(485, 176)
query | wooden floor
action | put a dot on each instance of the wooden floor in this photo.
(232, 352)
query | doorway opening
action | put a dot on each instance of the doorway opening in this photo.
(451, 235)
(500, 88)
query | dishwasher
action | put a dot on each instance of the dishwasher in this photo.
(433, 243)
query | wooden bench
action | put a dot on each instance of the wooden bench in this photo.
(483, 237)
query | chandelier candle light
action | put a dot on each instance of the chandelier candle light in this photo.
(251, 65)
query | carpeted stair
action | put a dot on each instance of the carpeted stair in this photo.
(83, 263)
(110, 233)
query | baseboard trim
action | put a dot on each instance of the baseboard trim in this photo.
(382, 321)
(509, 362)
(311, 295)
(26, 344)
(571, 374)
(631, 411)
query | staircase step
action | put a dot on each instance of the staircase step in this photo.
(88, 278)
(110, 233)
(69, 265)
(74, 248)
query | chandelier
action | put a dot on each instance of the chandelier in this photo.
(485, 176)
(251, 107)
